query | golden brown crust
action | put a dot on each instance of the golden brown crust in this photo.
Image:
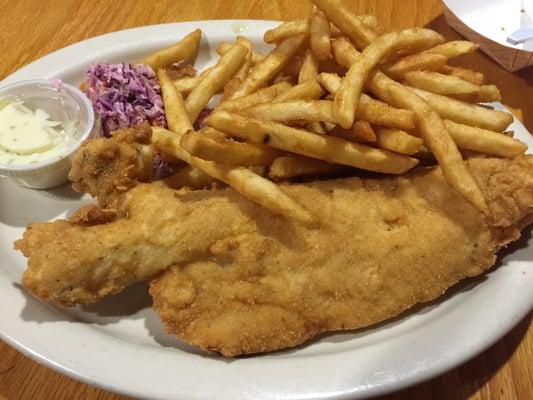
(106, 168)
(92, 215)
(388, 245)
(69, 263)
(247, 281)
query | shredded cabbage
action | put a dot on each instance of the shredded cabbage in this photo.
(124, 95)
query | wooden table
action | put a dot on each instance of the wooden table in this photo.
(33, 28)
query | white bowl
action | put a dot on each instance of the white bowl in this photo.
(62, 102)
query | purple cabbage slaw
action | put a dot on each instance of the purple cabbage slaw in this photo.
(125, 95)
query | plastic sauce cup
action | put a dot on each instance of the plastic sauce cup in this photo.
(63, 103)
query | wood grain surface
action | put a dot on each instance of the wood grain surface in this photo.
(34, 28)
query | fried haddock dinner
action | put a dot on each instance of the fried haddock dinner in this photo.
(343, 115)
(243, 280)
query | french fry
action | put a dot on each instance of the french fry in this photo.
(360, 132)
(308, 90)
(469, 75)
(364, 131)
(187, 176)
(319, 36)
(270, 66)
(285, 30)
(186, 85)
(263, 110)
(397, 140)
(261, 96)
(329, 81)
(487, 94)
(224, 47)
(371, 110)
(370, 20)
(298, 141)
(262, 191)
(250, 185)
(176, 114)
(351, 87)
(466, 113)
(291, 28)
(454, 49)
(439, 83)
(229, 88)
(310, 111)
(414, 62)
(294, 166)
(309, 70)
(453, 86)
(215, 80)
(358, 32)
(344, 52)
(185, 49)
(435, 136)
(245, 68)
(212, 145)
(484, 141)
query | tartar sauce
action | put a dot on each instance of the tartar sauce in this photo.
(28, 136)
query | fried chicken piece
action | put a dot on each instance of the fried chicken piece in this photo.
(106, 168)
(248, 281)
(386, 245)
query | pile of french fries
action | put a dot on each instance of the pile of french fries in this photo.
(336, 92)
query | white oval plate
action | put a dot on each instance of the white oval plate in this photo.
(119, 344)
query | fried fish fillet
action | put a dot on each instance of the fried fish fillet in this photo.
(81, 260)
(244, 280)
(385, 246)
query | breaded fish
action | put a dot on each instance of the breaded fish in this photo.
(245, 281)
(81, 260)
(385, 246)
(107, 167)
